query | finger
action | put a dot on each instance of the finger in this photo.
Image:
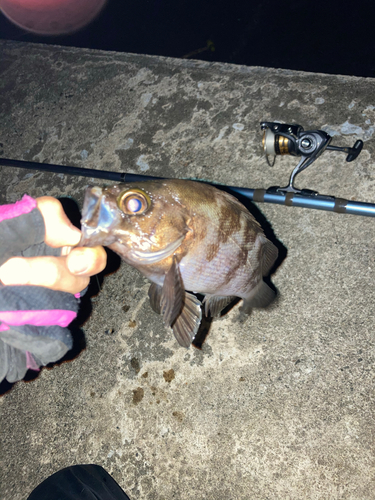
(84, 261)
(59, 230)
(51, 272)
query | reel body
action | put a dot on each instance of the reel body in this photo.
(285, 139)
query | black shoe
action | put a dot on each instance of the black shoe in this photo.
(79, 482)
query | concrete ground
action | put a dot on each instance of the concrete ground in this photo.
(278, 407)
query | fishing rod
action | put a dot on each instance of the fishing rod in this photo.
(278, 139)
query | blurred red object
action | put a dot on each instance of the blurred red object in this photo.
(51, 17)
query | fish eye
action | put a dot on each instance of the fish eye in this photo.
(133, 202)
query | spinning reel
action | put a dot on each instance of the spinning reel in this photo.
(285, 139)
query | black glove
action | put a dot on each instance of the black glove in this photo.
(33, 319)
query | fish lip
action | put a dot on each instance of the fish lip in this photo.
(95, 221)
(92, 236)
(95, 191)
(159, 255)
(87, 234)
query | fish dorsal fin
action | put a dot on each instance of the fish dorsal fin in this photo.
(172, 294)
(214, 304)
(187, 323)
(268, 254)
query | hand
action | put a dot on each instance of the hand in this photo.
(69, 273)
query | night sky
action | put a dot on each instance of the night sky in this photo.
(328, 37)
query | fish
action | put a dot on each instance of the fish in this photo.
(187, 238)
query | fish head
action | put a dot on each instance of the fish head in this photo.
(141, 222)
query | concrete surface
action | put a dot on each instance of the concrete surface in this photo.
(278, 407)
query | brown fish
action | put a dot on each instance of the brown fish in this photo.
(183, 235)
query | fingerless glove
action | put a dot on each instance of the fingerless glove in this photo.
(33, 319)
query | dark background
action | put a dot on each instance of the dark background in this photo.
(328, 37)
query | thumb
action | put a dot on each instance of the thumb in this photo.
(59, 230)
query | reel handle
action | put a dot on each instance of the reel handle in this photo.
(352, 152)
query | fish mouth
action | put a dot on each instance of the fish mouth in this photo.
(97, 219)
(92, 237)
(159, 255)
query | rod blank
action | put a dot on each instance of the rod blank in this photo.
(313, 201)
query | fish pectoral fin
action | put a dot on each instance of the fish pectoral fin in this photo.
(180, 310)
(260, 296)
(214, 304)
(154, 294)
(172, 294)
(187, 322)
(268, 254)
